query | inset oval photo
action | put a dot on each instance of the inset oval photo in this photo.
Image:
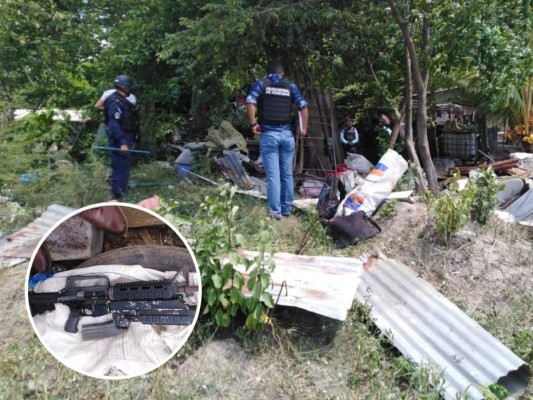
(113, 291)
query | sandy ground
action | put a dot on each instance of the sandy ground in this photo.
(477, 270)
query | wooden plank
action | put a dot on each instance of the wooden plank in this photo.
(161, 258)
(498, 166)
(403, 196)
(317, 131)
(137, 218)
(518, 172)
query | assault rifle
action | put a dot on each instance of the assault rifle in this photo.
(149, 302)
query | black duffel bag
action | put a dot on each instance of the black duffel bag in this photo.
(347, 230)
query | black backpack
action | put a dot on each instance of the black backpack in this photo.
(328, 200)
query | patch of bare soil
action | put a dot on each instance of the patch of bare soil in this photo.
(478, 269)
(13, 313)
(222, 369)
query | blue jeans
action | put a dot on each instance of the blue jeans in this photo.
(277, 150)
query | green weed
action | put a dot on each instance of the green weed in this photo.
(217, 240)
(69, 184)
(387, 209)
(523, 345)
(484, 188)
(451, 210)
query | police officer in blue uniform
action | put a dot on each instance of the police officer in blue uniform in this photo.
(349, 137)
(268, 104)
(122, 127)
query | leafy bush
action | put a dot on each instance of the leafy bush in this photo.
(484, 187)
(38, 141)
(215, 248)
(41, 131)
(451, 210)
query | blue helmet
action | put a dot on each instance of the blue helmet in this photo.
(123, 82)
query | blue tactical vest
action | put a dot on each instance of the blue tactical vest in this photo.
(130, 121)
(349, 134)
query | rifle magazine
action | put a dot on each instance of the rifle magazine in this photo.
(100, 330)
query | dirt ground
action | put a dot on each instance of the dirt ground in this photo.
(158, 235)
(478, 270)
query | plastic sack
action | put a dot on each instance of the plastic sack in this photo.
(377, 185)
(185, 157)
(359, 163)
(310, 188)
(328, 201)
(350, 179)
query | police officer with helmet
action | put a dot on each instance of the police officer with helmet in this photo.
(122, 127)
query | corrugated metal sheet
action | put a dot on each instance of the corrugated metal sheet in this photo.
(522, 208)
(231, 166)
(428, 329)
(323, 285)
(19, 246)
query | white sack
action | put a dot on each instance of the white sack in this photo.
(350, 180)
(377, 185)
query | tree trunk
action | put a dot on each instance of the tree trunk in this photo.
(420, 79)
(397, 123)
(409, 142)
(485, 135)
(423, 143)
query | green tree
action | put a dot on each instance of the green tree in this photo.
(43, 46)
(489, 53)
(227, 45)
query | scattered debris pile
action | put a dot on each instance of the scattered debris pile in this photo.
(355, 186)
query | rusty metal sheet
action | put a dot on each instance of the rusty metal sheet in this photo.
(322, 285)
(428, 329)
(18, 247)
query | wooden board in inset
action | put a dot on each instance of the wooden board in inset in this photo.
(161, 258)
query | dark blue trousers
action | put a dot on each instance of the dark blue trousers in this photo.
(121, 165)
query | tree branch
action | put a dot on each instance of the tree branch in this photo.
(406, 32)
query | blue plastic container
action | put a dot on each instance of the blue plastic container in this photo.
(28, 178)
